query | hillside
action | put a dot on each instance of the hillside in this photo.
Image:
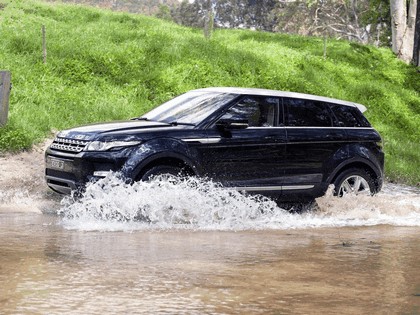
(104, 65)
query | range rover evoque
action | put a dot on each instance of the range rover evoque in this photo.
(280, 144)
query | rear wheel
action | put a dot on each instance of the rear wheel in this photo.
(353, 182)
(165, 171)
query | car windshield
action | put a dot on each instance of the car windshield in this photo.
(189, 108)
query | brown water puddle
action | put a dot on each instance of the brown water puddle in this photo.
(47, 269)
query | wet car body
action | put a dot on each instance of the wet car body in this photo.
(247, 138)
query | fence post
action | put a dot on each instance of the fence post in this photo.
(44, 44)
(5, 86)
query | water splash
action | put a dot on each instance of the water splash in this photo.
(24, 200)
(111, 204)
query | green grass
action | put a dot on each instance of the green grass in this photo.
(103, 66)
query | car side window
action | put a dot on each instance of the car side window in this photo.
(306, 113)
(257, 110)
(346, 116)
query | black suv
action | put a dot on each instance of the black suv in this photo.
(281, 144)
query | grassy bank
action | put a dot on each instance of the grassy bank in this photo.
(103, 65)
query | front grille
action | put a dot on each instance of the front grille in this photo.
(68, 145)
(60, 174)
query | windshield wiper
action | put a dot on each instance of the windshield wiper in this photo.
(172, 123)
(140, 118)
(177, 123)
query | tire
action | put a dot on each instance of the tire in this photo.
(353, 182)
(162, 170)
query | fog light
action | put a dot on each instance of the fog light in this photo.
(101, 173)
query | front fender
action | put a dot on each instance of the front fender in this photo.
(156, 149)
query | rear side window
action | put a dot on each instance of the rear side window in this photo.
(306, 113)
(347, 116)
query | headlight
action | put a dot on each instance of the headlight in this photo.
(105, 146)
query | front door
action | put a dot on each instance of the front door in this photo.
(249, 157)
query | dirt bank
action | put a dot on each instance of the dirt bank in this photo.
(22, 184)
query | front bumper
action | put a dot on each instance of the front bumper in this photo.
(65, 172)
(60, 185)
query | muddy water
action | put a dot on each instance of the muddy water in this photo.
(192, 248)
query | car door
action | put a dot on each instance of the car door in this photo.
(311, 142)
(248, 146)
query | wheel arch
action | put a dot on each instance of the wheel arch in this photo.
(364, 165)
(165, 159)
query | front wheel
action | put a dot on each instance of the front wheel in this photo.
(353, 182)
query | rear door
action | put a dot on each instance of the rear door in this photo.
(312, 141)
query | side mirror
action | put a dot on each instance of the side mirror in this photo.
(232, 124)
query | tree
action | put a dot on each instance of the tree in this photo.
(260, 14)
(189, 14)
(227, 13)
(356, 20)
(208, 19)
(164, 12)
(377, 22)
(403, 25)
(416, 50)
(230, 13)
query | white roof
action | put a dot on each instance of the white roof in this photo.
(264, 92)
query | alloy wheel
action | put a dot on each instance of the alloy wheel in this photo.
(354, 185)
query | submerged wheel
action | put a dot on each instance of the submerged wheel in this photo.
(162, 170)
(354, 182)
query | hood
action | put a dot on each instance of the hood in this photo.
(90, 132)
